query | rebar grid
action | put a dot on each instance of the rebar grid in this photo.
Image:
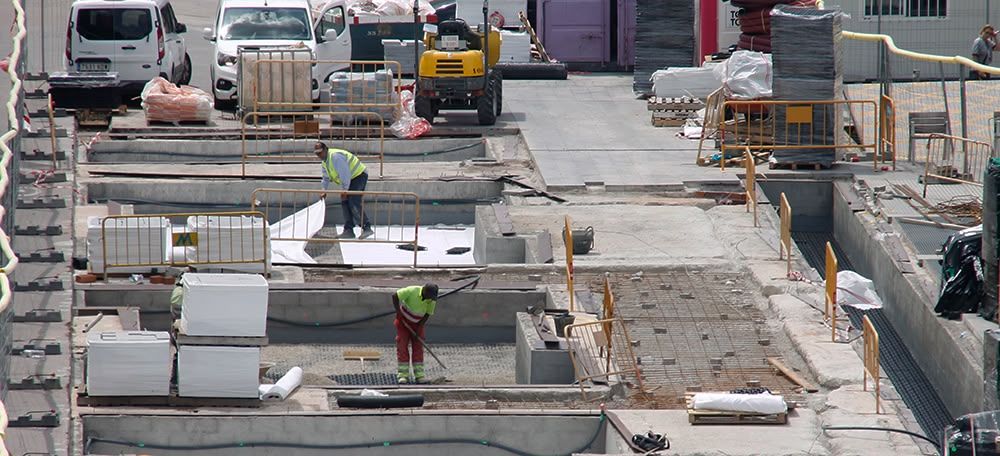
(694, 331)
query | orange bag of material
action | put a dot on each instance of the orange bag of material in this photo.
(165, 102)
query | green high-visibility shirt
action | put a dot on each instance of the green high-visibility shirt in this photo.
(412, 305)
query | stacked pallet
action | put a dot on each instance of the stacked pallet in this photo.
(672, 111)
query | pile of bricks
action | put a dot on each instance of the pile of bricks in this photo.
(672, 112)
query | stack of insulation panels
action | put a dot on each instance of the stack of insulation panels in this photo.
(143, 242)
(664, 37)
(228, 310)
(134, 363)
(236, 243)
(363, 92)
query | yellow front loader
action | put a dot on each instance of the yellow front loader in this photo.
(457, 71)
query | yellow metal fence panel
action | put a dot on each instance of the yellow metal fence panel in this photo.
(568, 240)
(831, 291)
(601, 355)
(230, 239)
(399, 211)
(288, 137)
(887, 130)
(785, 234)
(371, 86)
(951, 159)
(751, 183)
(871, 360)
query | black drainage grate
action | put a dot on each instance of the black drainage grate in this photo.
(902, 370)
(813, 248)
(365, 379)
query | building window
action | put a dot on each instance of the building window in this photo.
(906, 8)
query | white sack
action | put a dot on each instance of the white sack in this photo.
(857, 291)
(752, 403)
(302, 224)
(686, 82)
(280, 391)
(746, 75)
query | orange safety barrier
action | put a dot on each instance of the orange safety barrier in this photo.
(751, 183)
(601, 350)
(831, 291)
(953, 159)
(871, 360)
(785, 233)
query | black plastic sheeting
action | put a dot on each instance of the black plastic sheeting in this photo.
(805, 45)
(991, 201)
(664, 37)
(961, 274)
(910, 382)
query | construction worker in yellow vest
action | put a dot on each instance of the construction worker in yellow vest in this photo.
(414, 305)
(346, 171)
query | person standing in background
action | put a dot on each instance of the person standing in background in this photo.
(982, 50)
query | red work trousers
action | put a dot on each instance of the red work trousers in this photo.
(404, 339)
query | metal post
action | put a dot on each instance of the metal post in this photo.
(42, 22)
(416, 42)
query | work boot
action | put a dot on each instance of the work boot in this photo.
(366, 233)
(420, 380)
(403, 380)
(346, 234)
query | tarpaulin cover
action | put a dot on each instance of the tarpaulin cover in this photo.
(303, 224)
(165, 102)
(973, 434)
(961, 273)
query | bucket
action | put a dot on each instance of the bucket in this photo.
(583, 240)
(562, 321)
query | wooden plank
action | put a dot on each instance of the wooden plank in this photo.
(173, 400)
(362, 354)
(792, 375)
(183, 339)
(504, 220)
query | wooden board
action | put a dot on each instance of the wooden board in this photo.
(363, 354)
(676, 103)
(667, 122)
(792, 375)
(798, 166)
(183, 339)
(729, 417)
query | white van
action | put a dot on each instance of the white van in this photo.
(255, 24)
(138, 39)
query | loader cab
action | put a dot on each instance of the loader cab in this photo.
(456, 35)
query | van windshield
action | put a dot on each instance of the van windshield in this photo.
(103, 24)
(255, 23)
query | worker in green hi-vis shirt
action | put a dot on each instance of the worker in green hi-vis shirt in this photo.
(414, 305)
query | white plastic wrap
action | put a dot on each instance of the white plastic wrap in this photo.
(228, 305)
(388, 7)
(303, 224)
(409, 125)
(134, 363)
(358, 92)
(746, 75)
(686, 81)
(856, 291)
(212, 371)
(286, 384)
(165, 102)
(750, 403)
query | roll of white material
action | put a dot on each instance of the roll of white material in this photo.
(751, 403)
(279, 391)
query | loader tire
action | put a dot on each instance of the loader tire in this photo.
(486, 106)
(423, 107)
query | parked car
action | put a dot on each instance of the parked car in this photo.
(255, 25)
(137, 39)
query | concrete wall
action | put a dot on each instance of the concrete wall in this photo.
(151, 151)
(955, 372)
(536, 365)
(376, 434)
(491, 247)
(811, 201)
(473, 316)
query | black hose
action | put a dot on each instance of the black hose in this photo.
(877, 428)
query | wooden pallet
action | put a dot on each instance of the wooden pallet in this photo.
(674, 104)
(728, 417)
(232, 341)
(667, 122)
(173, 400)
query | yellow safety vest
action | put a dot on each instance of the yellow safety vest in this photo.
(352, 162)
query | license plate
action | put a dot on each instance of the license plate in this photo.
(449, 41)
(93, 66)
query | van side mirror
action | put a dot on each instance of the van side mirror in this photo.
(330, 35)
(181, 28)
(208, 33)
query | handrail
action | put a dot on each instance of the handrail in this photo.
(891, 45)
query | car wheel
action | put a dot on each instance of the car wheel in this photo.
(185, 76)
